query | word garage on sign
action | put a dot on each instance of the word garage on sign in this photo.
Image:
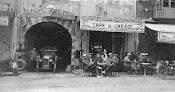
(128, 26)
(122, 26)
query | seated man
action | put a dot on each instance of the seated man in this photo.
(127, 59)
(88, 65)
(113, 61)
(86, 59)
(98, 61)
(127, 62)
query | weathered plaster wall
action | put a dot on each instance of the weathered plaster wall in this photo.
(5, 31)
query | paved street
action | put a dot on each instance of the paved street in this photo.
(69, 82)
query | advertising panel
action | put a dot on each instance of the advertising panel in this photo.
(4, 20)
(97, 23)
(49, 12)
(4, 7)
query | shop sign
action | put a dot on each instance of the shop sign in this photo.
(4, 20)
(41, 12)
(50, 12)
(97, 46)
(4, 7)
(166, 37)
(98, 23)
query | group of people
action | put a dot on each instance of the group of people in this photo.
(102, 64)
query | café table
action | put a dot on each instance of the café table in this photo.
(145, 65)
(102, 63)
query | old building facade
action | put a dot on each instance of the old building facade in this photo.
(32, 16)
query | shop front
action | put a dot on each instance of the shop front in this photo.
(117, 35)
(161, 41)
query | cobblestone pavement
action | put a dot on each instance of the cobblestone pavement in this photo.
(70, 82)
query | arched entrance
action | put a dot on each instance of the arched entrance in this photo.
(49, 34)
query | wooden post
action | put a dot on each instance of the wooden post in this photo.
(0, 71)
(113, 46)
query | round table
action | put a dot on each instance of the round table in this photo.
(102, 63)
(145, 65)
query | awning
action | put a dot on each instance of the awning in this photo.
(166, 32)
(161, 27)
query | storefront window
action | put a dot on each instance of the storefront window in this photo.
(169, 3)
(173, 3)
(165, 3)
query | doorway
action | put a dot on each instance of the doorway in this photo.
(49, 34)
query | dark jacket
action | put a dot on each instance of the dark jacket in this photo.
(97, 60)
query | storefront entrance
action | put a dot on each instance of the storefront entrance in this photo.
(113, 42)
(49, 34)
(118, 42)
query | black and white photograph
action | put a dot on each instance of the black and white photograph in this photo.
(87, 45)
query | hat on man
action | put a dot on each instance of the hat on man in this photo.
(128, 53)
(115, 55)
(90, 53)
(145, 53)
(85, 55)
(110, 54)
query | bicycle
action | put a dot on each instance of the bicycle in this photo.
(164, 68)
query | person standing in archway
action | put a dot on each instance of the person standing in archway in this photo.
(104, 55)
(33, 55)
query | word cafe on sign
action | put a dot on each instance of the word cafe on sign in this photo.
(99, 23)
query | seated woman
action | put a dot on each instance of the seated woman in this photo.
(104, 55)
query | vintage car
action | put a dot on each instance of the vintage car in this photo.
(47, 59)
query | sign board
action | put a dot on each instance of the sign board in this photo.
(98, 23)
(4, 20)
(4, 7)
(166, 37)
(50, 12)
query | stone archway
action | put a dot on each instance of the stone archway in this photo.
(50, 34)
